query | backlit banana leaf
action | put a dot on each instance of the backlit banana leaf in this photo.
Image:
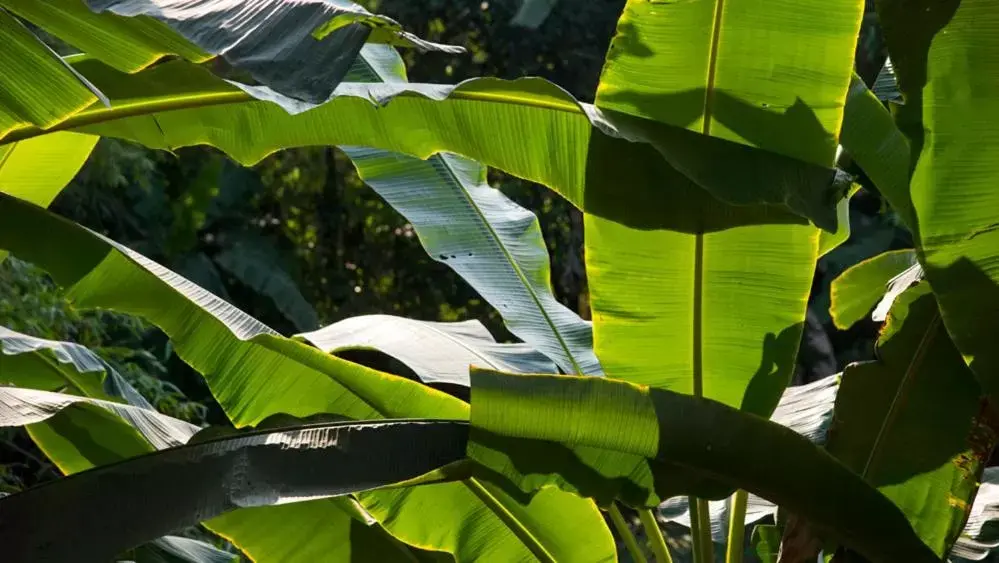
(492, 242)
(946, 58)
(863, 287)
(36, 170)
(693, 435)
(127, 44)
(254, 373)
(528, 127)
(981, 534)
(711, 300)
(36, 86)
(49, 365)
(334, 527)
(181, 486)
(436, 352)
(489, 240)
(806, 409)
(918, 391)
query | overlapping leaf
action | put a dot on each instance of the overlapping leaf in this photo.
(863, 287)
(255, 373)
(436, 352)
(918, 391)
(692, 437)
(945, 58)
(671, 300)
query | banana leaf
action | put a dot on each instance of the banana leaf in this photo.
(671, 300)
(148, 496)
(255, 373)
(693, 436)
(436, 352)
(945, 58)
(863, 286)
(36, 170)
(918, 387)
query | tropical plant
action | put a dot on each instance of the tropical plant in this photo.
(706, 172)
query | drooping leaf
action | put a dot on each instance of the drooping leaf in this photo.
(692, 437)
(806, 409)
(862, 287)
(127, 44)
(918, 390)
(945, 62)
(182, 486)
(251, 261)
(532, 13)
(275, 41)
(87, 433)
(543, 134)
(169, 549)
(492, 242)
(254, 373)
(766, 543)
(436, 352)
(670, 299)
(36, 86)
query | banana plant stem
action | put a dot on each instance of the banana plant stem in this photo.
(656, 539)
(696, 549)
(704, 530)
(629, 539)
(736, 527)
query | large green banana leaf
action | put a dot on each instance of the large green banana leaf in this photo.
(337, 528)
(36, 86)
(863, 286)
(712, 300)
(945, 57)
(490, 241)
(696, 436)
(127, 44)
(241, 361)
(436, 352)
(528, 127)
(918, 391)
(55, 366)
(143, 498)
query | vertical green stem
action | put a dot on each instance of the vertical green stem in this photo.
(695, 531)
(736, 527)
(704, 531)
(656, 539)
(629, 539)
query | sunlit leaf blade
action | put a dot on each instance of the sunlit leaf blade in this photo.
(489, 240)
(36, 170)
(181, 486)
(945, 61)
(26, 361)
(720, 57)
(871, 137)
(36, 87)
(272, 40)
(806, 409)
(693, 435)
(127, 44)
(532, 13)
(670, 299)
(918, 390)
(436, 352)
(254, 373)
(862, 287)
(249, 262)
(528, 127)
